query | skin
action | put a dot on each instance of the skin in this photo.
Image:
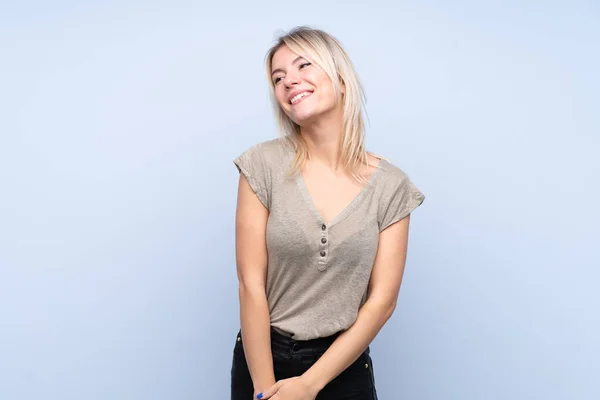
(331, 188)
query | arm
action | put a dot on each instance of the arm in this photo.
(384, 287)
(251, 259)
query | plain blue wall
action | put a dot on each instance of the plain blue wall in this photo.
(119, 121)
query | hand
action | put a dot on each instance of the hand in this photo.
(290, 389)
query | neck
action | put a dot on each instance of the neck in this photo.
(323, 138)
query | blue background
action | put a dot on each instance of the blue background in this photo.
(118, 124)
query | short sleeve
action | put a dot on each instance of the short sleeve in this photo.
(252, 164)
(399, 201)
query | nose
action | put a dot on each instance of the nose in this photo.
(291, 80)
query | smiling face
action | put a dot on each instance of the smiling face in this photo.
(302, 89)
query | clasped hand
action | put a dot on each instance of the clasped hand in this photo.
(289, 389)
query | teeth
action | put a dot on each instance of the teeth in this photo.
(299, 96)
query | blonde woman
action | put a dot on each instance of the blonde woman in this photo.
(321, 234)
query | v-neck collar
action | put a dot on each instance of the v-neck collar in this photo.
(346, 211)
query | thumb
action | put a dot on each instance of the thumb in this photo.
(267, 394)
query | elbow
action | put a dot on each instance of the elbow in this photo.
(391, 309)
(383, 309)
(387, 309)
(251, 289)
(251, 280)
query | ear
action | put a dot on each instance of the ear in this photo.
(342, 86)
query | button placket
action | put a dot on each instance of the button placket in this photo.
(323, 248)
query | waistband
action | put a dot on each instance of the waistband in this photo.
(278, 338)
(283, 344)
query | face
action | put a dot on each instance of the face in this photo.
(303, 89)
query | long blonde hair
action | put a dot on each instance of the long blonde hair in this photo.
(326, 51)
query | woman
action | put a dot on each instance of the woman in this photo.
(321, 234)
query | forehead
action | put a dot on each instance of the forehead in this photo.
(283, 56)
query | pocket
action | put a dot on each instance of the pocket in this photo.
(356, 378)
(359, 372)
(362, 364)
(355, 382)
(372, 373)
(241, 381)
(238, 348)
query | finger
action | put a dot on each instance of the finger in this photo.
(268, 394)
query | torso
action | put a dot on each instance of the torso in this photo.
(332, 192)
(322, 236)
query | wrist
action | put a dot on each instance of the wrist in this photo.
(312, 382)
(262, 387)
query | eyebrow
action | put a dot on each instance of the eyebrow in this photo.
(293, 62)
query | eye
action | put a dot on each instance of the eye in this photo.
(276, 80)
(306, 64)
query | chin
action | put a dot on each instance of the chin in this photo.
(303, 115)
(300, 118)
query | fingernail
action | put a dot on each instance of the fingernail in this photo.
(259, 396)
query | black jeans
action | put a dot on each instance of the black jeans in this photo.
(293, 357)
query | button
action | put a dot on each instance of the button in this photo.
(323, 240)
(366, 365)
(239, 339)
(295, 347)
(323, 254)
(323, 227)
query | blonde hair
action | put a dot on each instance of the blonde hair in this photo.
(326, 51)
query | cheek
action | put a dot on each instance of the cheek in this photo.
(325, 88)
(326, 96)
(280, 96)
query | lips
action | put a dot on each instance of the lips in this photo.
(299, 96)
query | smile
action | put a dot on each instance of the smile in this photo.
(299, 97)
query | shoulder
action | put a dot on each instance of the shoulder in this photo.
(266, 158)
(390, 173)
(271, 150)
(398, 195)
(275, 148)
(394, 180)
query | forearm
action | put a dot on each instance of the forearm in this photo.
(349, 345)
(256, 337)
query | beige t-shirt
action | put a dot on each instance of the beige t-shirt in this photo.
(317, 274)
